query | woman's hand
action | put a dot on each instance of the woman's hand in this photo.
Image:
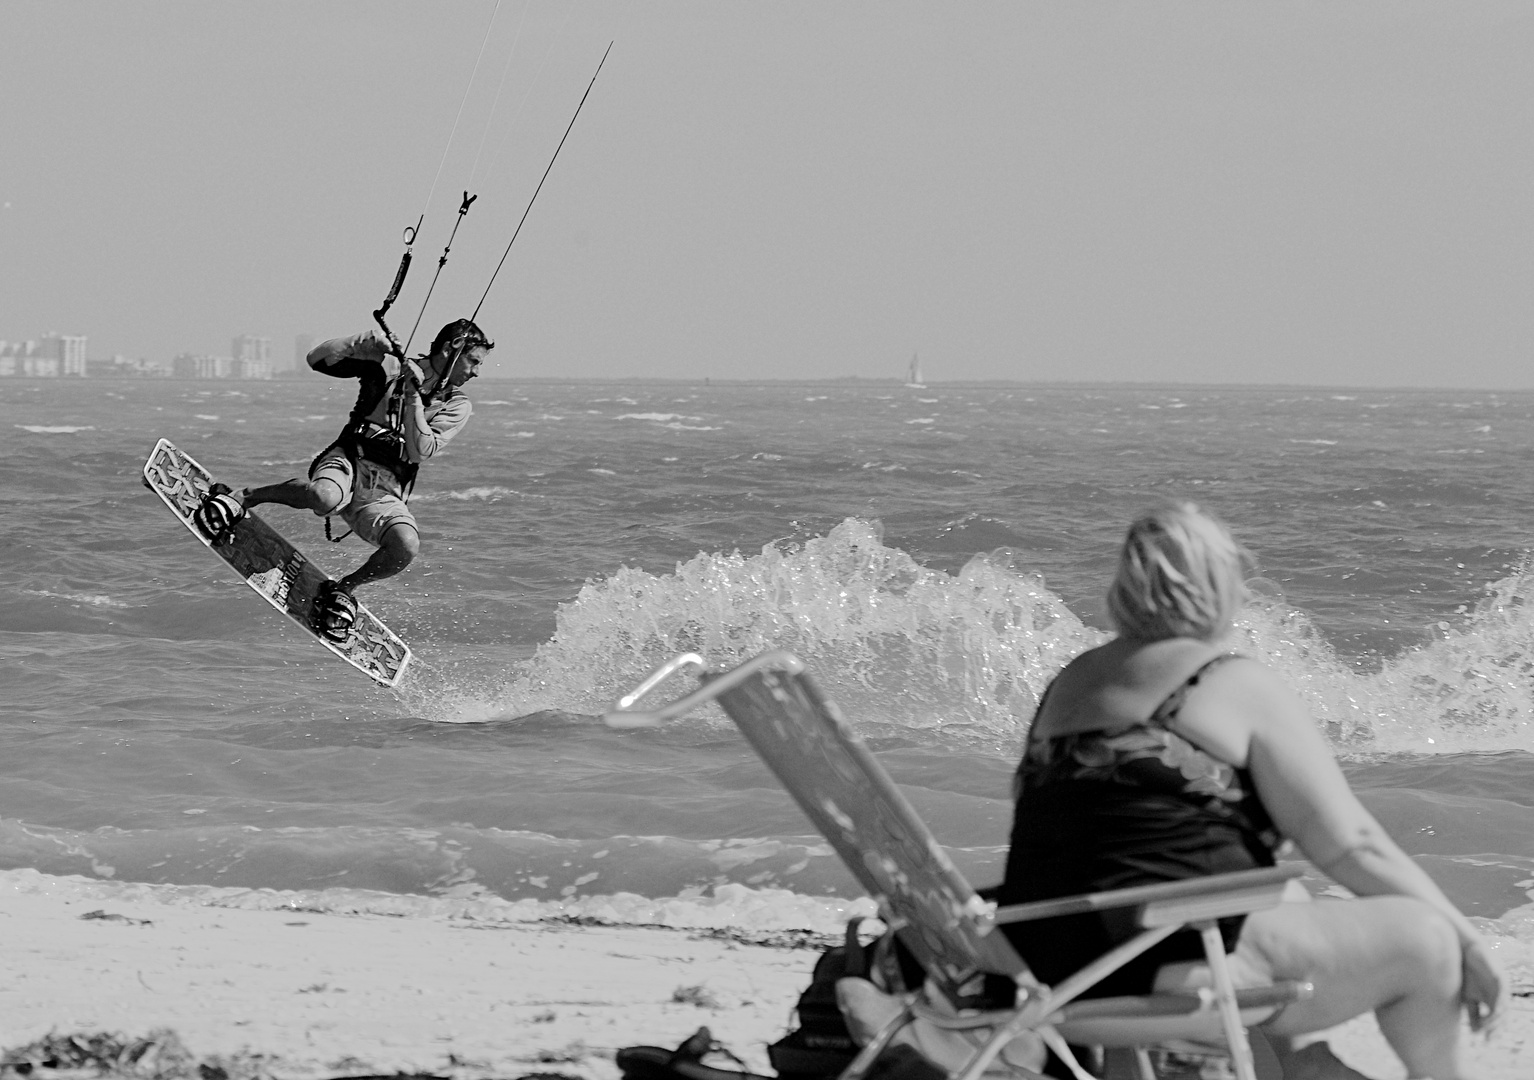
(1483, 987)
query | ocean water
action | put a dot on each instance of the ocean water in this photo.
(935, 554)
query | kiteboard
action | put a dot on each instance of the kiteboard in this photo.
(273, 567)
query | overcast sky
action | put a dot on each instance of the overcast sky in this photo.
(1166, 192)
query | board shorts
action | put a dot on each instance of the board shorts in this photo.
(372, 501)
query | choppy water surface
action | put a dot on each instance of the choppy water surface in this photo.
(935, 554)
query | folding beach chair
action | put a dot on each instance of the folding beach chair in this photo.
(941, 920)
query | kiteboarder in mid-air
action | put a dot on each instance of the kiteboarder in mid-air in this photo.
(406, 412)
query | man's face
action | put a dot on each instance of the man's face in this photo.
(467, 366)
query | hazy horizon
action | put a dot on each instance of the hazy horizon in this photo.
(1189, 193)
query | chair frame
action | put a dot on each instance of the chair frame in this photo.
(923, 898)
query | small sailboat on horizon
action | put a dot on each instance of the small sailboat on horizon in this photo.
(913, 374)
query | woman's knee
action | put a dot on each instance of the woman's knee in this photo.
(1359, 955)
(1434, 945)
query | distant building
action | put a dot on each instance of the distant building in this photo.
(191, 366)
(67, 349)
(30, 358)
(250, 348)
(120, 366)
(13, 355)
(252, 369)
(252, 357)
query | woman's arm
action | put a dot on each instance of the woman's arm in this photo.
(1306, 794)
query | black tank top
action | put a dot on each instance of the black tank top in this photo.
(1103, 810)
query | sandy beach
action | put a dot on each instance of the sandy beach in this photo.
(300, 993)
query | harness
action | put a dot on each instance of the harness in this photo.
(380, 444)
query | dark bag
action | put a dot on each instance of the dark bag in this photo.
(822, 1046)
(683, 1063)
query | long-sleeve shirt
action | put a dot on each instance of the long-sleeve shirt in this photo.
(425, 426)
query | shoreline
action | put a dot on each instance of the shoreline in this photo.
(297, 993)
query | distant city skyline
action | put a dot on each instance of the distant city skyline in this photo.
(1184, 192)
(56, 355)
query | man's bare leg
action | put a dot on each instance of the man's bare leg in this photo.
(321, 496)
(397, 549)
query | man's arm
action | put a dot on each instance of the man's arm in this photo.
(423, 437)
(349, 357)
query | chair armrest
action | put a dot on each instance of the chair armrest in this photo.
(1149, 1005)
(1222, 894)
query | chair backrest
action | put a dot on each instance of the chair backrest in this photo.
(838, 783)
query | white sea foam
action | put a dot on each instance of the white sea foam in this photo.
(920, 647)
(91, 599)
(475, 494)
(658, 417)
(55, 429)
(975, 648)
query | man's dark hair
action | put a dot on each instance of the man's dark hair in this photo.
(461, 328)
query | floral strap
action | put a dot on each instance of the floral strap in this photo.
(1167, 711)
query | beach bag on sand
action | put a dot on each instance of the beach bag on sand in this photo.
(822, 1046)
(686, 1063)
(868, 1009)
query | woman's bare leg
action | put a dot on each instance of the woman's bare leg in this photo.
(1392, 955)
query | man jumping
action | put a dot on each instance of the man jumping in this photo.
(405, 413)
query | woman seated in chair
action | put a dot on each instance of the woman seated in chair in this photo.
(1160, 756)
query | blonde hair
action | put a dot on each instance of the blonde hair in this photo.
(1180, 574)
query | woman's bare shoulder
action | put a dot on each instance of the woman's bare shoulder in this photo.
(1238, 700)
(1119, 683)
(1253, 680)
